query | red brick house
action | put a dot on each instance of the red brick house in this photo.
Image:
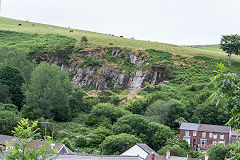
(201, 136)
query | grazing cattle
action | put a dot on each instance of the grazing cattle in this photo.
(110, 44)
(19, 24)
(121, 36)
(33, 24)
(71, 30)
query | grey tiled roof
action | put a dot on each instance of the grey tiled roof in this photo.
(97, 157)
(181, 158)
(146, 148)
(4, 138)
(205, 127)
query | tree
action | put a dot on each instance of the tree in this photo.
(4, 94)
(84, 40)
(49, 90)
(117, 144)
(8, 120)
(13, 79)
(132, 124)
(81, 142)
(175, 150)
(76, 100)
(67, 142)
(99, 135)
(24, 133)
(219, 151)
(230, 44)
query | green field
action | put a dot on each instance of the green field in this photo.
(104, 39)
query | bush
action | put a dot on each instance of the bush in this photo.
(84, 40)
(67, 143)
(31, 113)
(219, 151)
(117, 144)
(81, 142)
(8, 120)
(175, 150)
(8, 107)
(99, 135)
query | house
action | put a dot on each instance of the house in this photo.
(61, 148)
(97, 157)
(4, 139)
(201, 136)
(139, 149)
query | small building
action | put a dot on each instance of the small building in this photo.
(97, 157)
(139, 149)
(202, 136)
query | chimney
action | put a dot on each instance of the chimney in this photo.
(168, 154)
(199, 122)
(206, 156)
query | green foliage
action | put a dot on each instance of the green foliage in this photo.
(194, 154)
(31, 113)
(99, 135)
(24, 133)
(166, 112)
(114, 99)
(4, 94)
(89, 102)
(8, 107)
(175, 150)
(88, 61)
(13, 79)
(8, 120)
(132, 124)
(15, 57)
(76, 101)
(81, 142)
(49, 90)
(219, 151)
(157, 58)
(105, 111)
(67, 142)
(230, 44)
(84, 40)
(117, 144)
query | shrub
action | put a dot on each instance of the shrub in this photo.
(8, 120)
(175, 150)
(81, 142)
(219, 151)
(84, 40)
(117, 144)
(31, 113)
(67, 143)
(99, 135)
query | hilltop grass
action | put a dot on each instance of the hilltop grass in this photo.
(104, 39)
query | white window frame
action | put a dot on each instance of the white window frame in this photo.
(215, 135)
(194, 133)
(203, 140)
(210, 135)
(221, 136)
(187, 132)
(204, 134)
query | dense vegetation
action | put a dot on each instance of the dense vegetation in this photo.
(92, 120)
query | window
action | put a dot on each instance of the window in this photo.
(186, 133)
(215, 135)
(210, 135)
(203, 142)
(221, 136)
(194, 133)
(203, 134)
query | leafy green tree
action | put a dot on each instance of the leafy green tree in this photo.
(13, 79)
(31, 113)
(106, 110)
(76, 100)
(81, 142)
(219, 151)
(99, 135)
(175, 150)
(166, 112)
(117, 144)
(11, 56)
(230, 44)
(8, 107)
(24, 133)
(67, 142)
(4, 94)
(49, 90)
(8, 120)
(131, 124)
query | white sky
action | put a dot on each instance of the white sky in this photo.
(168, 21)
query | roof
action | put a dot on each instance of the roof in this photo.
(4, 138)
(145, 147)
(181, 158)
(61, 148)
(205, 127)
(98, 157)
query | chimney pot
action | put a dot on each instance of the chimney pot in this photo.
(206, 156)
(168, 154)
(199, 121)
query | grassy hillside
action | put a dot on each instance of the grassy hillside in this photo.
(105, 40)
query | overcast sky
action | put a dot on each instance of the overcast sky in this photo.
(168, 21)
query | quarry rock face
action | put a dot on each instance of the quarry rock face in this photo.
(106, 76)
